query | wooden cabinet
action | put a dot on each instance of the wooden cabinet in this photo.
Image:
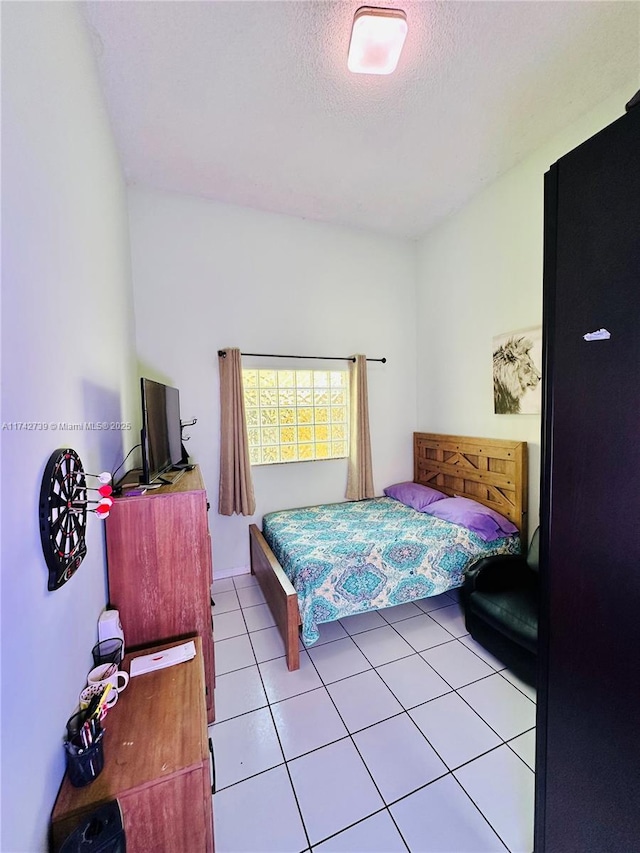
(156, 764)
(160, 573)
(588, 758)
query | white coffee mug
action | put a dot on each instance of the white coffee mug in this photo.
(106, 673)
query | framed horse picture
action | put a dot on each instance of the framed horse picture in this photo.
(517, 371)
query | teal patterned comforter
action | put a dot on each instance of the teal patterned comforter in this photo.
(352, 557)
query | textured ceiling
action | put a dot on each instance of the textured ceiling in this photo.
(251, 102)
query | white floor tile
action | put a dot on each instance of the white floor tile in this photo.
(275, 825)
(362, 622)
(455, 731)
(233, 653)
(479, 650)
(377, 834)
(435, 602)
(329, 631)
(412, 681)
(522, 686)
(502, 786)
(268, 644)
(382, 645)
(258, 617)
(398, 757)
(400, 612)
(525, 746)
(249, 596)
(501, 705)
(307, 722)
(442, 819)
(245, 580)
(222, 585)
(421, 632)
(334, 789)
(452, 619)
(281, 684)
(456, 663)
(339, 659)
(225, 601)
(363, 699)
(245, 746)
(238, 692)
(342, 810)
(227, 625)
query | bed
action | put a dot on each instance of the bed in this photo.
(374, 569)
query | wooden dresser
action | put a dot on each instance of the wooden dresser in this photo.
(160, 569)
(156, 764)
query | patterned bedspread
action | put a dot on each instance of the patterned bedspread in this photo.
(352, 557)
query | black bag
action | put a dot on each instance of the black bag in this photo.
(101, 831)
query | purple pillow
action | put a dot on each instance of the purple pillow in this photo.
(480, 519)
(414, 495)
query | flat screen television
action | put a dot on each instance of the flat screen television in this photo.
(161, 437)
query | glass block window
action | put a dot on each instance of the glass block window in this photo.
(296, 415)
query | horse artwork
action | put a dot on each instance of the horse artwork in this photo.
(517, 364)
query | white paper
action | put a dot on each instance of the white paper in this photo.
(163, 659)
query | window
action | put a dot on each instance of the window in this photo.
(296, 415)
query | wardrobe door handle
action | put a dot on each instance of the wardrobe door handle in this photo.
(213, 767)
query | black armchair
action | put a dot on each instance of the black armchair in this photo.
(500, 600)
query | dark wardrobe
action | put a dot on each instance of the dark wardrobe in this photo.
(588, 750)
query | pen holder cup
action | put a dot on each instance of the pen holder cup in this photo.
(84, 767)
(74, 727)
(107, 651)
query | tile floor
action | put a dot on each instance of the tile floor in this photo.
(397, 733)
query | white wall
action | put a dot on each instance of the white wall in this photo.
(480, 274)
(67, 336)
(208, 275)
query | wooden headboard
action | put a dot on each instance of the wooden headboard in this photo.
(491, 471)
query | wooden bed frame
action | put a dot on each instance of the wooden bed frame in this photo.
(491, 471)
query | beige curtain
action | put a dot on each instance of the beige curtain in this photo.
(360, 477)
(236, 486)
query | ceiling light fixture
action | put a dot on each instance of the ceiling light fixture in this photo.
(377, 38)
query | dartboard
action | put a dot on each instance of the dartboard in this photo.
(63, 515)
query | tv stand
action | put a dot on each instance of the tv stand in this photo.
(176, 475)
(167, 478)
(159, 566)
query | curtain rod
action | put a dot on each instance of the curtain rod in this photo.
(223, 354)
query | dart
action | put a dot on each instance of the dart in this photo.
(108, 502)
(105, 477)
(104, 490)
